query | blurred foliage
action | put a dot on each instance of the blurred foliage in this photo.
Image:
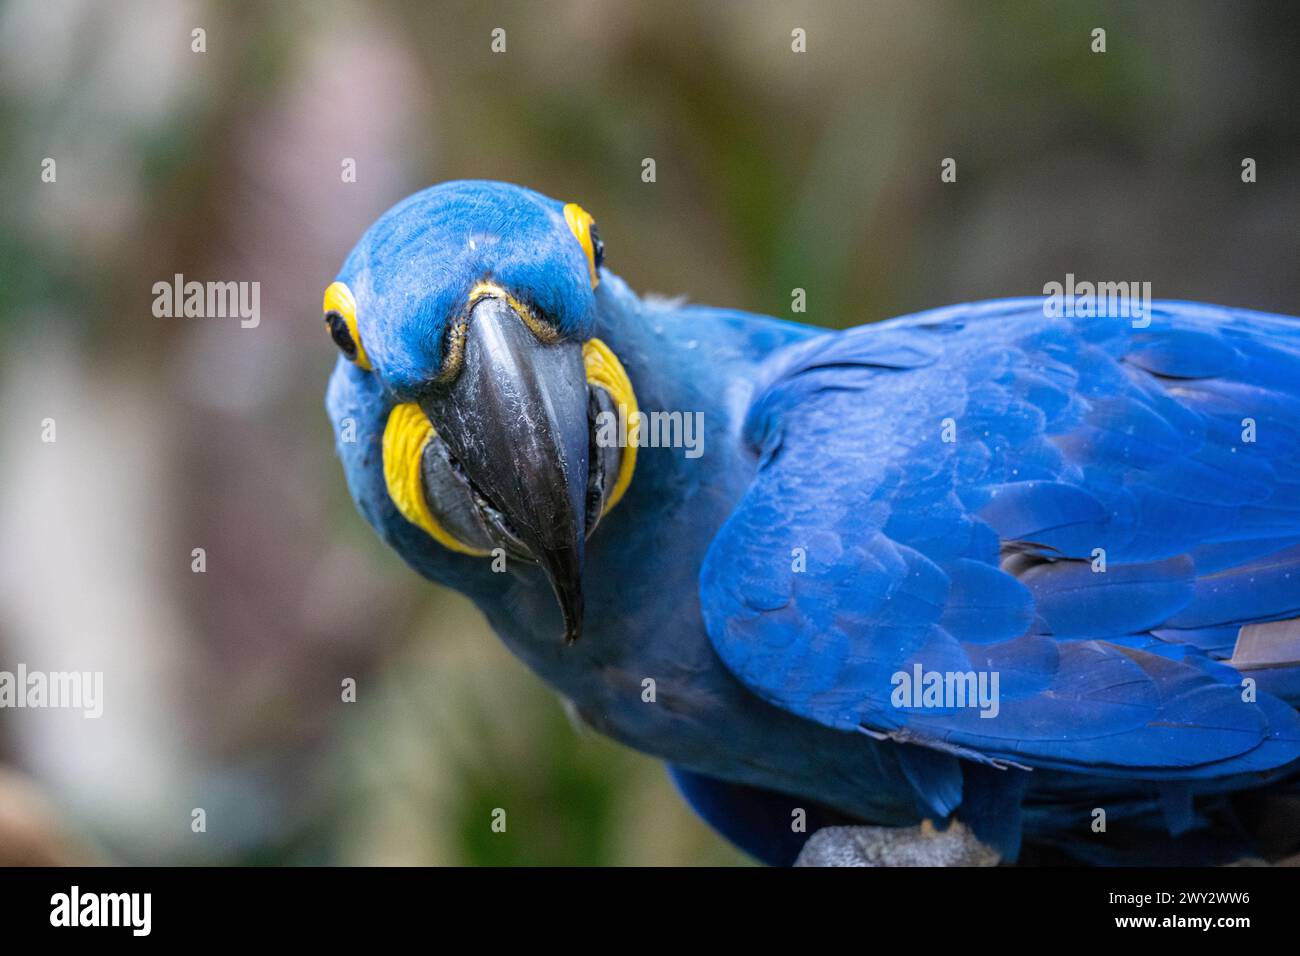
(775, 171)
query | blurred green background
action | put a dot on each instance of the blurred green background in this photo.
(775, 170)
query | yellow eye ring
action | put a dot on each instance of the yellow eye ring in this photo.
(341, 318)
(584, 230)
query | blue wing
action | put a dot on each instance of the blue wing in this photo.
(1106, 518)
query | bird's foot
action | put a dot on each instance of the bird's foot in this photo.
(922, 845)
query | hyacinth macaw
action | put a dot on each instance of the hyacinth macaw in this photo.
(1102, 515)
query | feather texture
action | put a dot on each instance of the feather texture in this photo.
(1062, 503)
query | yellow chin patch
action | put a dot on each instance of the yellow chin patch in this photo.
(604, 370)
(405, 436)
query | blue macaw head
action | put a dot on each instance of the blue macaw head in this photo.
(466, 311)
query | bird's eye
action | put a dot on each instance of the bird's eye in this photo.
(340, 334)
(597, 247)
(584, 229)
(341, 318)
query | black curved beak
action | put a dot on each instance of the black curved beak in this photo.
(516, 420)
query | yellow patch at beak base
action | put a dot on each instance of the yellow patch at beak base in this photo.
(604, 370)
(405, 436)
(409, 431)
